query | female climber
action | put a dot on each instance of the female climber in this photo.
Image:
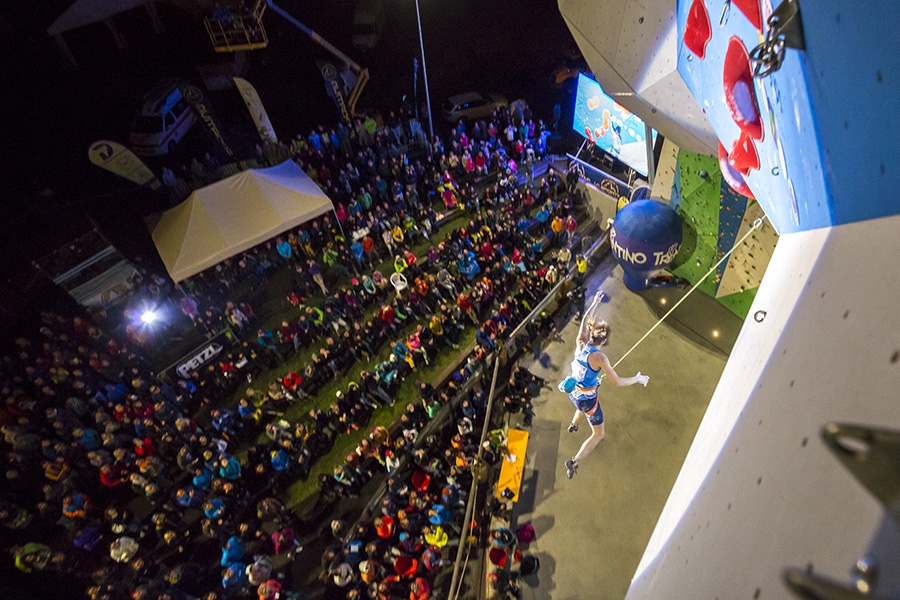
(588, 363)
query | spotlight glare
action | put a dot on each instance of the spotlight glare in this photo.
(662, 301)
(715, 333)
(148, 316)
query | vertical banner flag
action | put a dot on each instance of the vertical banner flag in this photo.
(257, 110)
(333, 87)
(199, 101)
(123, 162)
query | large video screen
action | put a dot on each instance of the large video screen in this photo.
(610, 125)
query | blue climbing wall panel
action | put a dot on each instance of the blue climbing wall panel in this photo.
(832, 104)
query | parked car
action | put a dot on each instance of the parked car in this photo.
(471, 105)
(161, 122)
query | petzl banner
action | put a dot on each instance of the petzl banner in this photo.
(118, 159)
(200, 103)
(257, 110)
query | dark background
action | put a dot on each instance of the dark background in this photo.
(52, 111)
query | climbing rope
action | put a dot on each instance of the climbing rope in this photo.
(756, 224)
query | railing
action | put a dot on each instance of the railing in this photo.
(606, 182)
(240, 32)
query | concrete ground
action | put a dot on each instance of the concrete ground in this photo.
(592, 530)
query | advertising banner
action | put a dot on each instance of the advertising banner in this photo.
(201, 105)
(606, 182)
(333, 85)
(257, 110)
(201, 356)
(118, 159)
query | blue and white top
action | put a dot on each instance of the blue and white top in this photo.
(587, 380)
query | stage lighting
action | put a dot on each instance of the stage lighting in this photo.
(148, 316)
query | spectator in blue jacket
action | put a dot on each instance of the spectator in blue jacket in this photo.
(189, 497)
(214, 508)
(88, 439)
(234, 578)
(280, 460)
(285, 251)
(233, 551)
(356, 250)
(266, 341)
(438, 514)
(484, 338)
(543, 216)
(225, 422)
(229, 468)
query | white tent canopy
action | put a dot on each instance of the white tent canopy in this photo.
(225, 218)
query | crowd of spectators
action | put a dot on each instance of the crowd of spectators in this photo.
(399, 551)
(112, 481)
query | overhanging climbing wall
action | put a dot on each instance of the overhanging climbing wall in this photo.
(760, 492)
(715, 217)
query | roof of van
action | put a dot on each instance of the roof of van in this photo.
(160, 98)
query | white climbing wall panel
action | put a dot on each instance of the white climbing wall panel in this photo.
(759, 491)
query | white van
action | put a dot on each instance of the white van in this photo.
(368, 23)
(163, 120)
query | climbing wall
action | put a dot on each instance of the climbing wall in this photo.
(666, 169)
(698, 202)
(715, 217)
(631, 47)
(789, 133)
(748, 262)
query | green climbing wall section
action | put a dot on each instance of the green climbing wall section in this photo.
(697, 199)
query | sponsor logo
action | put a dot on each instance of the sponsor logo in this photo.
(198, 360)
(610, 187)
(195, 96)
(638, 258)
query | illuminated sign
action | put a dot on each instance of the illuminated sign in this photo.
(610, 125)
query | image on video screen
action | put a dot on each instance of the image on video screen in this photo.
(610, 125)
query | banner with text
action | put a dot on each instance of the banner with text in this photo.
(118, 159)
(333, 85)
(257, 110)
(606, 182)
(200, 102)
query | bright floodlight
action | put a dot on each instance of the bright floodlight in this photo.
(148, 316)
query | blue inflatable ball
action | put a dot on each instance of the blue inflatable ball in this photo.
(644, 239)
